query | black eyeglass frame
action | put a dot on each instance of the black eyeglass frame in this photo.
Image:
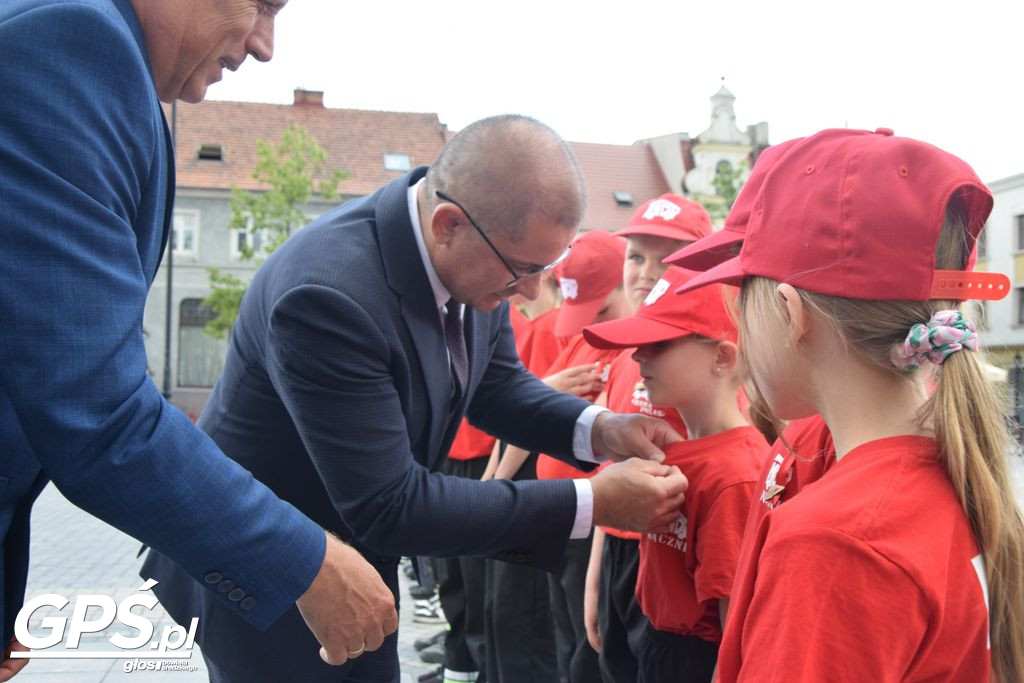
(516, 277)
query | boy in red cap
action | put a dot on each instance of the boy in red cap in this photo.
(689, 359)
(615, 623)
(857, 255)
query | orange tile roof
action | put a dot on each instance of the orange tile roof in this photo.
(616, 168)
(355, 140)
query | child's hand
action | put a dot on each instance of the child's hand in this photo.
(578, 381)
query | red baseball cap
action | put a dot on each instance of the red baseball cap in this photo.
(724, 244)
(592, 270)
(663, 316)
(857, 214)
(670, 216)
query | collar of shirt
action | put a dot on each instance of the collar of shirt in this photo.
(441, 293)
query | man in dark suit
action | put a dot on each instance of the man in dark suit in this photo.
(360, 345)
(86, 191)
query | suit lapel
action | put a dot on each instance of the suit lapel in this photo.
(408, 279)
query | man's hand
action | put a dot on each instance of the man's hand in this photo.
(638, 495)
(10, 667)
(348, 607)
(625, 436)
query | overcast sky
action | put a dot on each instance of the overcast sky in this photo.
(948, 73)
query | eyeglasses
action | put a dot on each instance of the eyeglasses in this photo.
(516, 277)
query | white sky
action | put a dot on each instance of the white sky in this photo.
(945, 72)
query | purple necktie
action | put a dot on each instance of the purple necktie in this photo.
(456, 340)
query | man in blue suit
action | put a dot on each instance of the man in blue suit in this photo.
(360, 345)
(86, 191)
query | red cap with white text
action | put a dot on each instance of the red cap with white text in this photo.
(664, 316)
(589, 274)
(669, 216)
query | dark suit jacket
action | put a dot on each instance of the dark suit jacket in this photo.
(86, 184)
(336, 393)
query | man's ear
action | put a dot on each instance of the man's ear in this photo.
(727, 355)
(797, 314)
(444, 222)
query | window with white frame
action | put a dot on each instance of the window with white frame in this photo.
(394, 161)
(185, 232)
(200, 356)
(255, 240)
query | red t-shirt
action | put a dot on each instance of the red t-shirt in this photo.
(627, 394)
(870, 575)
(576, 352)
(683, 573)
(536, 342)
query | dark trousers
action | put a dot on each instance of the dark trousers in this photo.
(620, 619)
(673, 658)
(461, 589)
(577, 661)
(520, 637)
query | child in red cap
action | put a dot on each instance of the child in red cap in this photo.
(857, 254)
(689, 359)
(615, 623)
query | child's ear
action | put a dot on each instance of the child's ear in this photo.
(798, 316)
(727, 356)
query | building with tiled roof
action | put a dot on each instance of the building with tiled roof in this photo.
(216, 149)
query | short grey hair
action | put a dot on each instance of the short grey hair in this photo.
(505, 169)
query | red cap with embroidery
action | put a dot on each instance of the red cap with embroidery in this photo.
(669, 216)
(724, 244)
(664, 316)
(586, 278)
(857, 214)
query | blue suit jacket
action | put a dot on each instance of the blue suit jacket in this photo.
(86, 186)
(336, 392)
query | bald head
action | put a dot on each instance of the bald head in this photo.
(507, 169)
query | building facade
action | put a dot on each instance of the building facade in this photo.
(1001, 249)
(216, 149)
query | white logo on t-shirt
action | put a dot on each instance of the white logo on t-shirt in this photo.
(661, 208)
(570, 288)
(656, 293)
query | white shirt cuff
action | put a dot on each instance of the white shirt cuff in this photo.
(584, 509)
(582, 442)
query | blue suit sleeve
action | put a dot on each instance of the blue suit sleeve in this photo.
(78, 145)
(331, 365)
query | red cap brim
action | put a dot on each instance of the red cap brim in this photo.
(572, 318)
(657, 231)
(728, 272)
(626, 333)
(707, 252)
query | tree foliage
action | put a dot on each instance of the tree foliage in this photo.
(294, 171)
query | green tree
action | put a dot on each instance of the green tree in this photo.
(727, 182)
(294, 171)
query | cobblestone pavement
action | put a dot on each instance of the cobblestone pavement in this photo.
(75, 554)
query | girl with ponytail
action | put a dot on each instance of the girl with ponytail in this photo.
(905, 560)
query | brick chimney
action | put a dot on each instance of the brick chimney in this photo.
(309, 98)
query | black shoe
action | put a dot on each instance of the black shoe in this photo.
(410, 571)
(418, 592)
(424, 643)
(433, 654)
(433, 676)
